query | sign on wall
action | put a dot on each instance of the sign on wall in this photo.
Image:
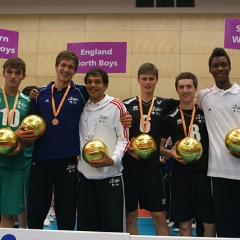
(8, 43)
(232, 33)
(110, 56)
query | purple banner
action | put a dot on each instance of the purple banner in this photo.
(109, 56)
(232, 33)
(8, 43)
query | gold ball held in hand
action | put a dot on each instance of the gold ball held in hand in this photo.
(91, 150)
(34, 122)
(190, 149)
(144, 146)
(232, 140)
(8, 140)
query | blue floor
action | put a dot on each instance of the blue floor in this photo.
(145, 226)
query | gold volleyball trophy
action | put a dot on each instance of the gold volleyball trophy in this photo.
(34, 122)
(144, 146)
(8, 140)
(232, 140)
(190, 149)
(91, 150)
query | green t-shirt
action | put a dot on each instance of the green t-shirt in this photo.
(22, 110)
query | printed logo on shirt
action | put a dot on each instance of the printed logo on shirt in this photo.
(21, 105)
(159, 102)
(103, 119)
(235, 108)
(114, 182)
(156, 110)
(200, 118)
(209, 109)
(73, 100)
(163, 201)
(71, 168)
(179, 121)
(135, 108)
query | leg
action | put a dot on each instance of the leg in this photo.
(65, 193)
(112, 215)
(131, 186)
(131, 222)
(7, 221)
(159, 219)
(40, 193)
(223, 199)
(209, 230)
(186, 228)
(87, 206)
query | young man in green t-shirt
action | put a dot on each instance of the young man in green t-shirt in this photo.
(14, 106)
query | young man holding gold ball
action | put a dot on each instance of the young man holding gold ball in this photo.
(101, 204)
(142, 177)
(220, 104)
(191, 195)
(14, 107)
(60, 104)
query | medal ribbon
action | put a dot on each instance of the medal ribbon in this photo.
(56, 112)
(9, 118)
(145, 124)
(184, 123)
(90, 137)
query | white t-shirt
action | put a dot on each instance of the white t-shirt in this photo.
(222, 113)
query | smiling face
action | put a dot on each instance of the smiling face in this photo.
(95, 87)
(186, 91)
(65, 71)
(220, 69)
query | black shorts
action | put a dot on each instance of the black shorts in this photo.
(101, 205)
(144, 185)
(191, 197)
(226, 199)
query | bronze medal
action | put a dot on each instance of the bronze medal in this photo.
(55, 121)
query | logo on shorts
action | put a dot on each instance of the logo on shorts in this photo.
(71, 168)
(114, 182)
(163, 201)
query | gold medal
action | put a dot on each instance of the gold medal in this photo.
(55, 121)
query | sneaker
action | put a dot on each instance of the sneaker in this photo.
(170, 224)
(176, 229)
(50, 218)
(46, 222)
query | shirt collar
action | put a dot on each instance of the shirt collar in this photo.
(234, 89)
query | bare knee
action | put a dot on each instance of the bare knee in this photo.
(7, 221)
(131, 217)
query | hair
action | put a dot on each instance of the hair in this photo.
(67, 55)
(17, 63)
(186, 75)
(148, 68)
(97, 72)
(218, 52)
(28, 89)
